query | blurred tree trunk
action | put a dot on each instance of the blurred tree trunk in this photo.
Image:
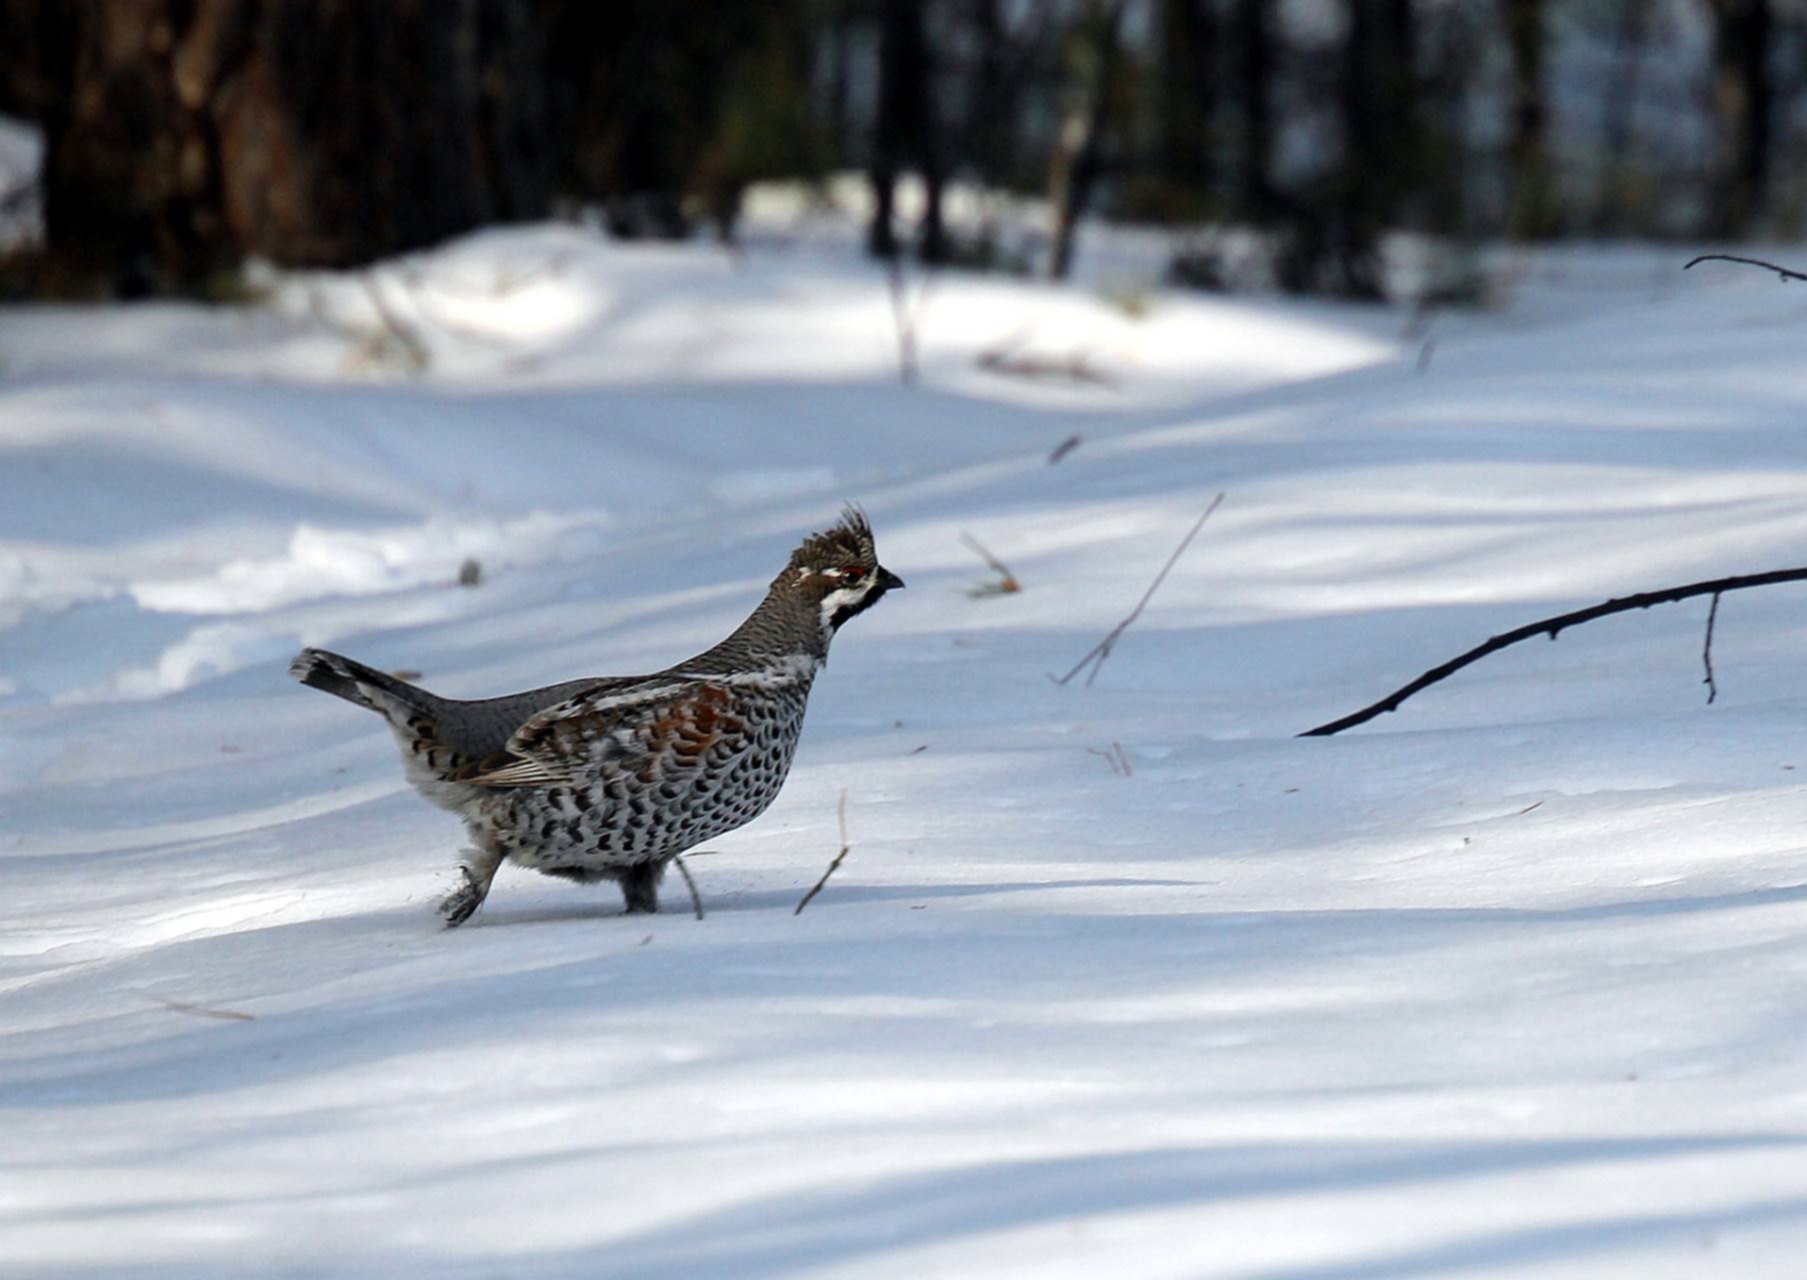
(1256, 61)
(1094, 54)
(904, 130)
(1531, 213)
(1616, 210)
(995, 95)
(1381, 158)
(840, 36)
(133, 201)
(1187, 106)
(181, 135)
(1743, 97)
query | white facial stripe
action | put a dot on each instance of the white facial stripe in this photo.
(841, 597)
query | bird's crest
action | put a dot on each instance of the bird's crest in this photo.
(847, 542)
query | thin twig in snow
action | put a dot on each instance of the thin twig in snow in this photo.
(1783, 272)
(1706, 651)
(1006, 356)
(696, 899)
(1065, 447)
(841, 815)
(1006, 583)
(1117, 758)
(201, 1011)
(1102, 650)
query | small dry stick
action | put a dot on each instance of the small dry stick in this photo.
(1074, 367)
(1706, 651)
(841, 813)
(1102, 650)
(1117, 758)
(1006, 583)
(202, 1011)
(696, 899)
(1783, 272)
(1065, 447)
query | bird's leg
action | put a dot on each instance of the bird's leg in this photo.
(640, 886)
(478, 869)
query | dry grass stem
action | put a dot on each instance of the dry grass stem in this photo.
(696, 899)
(841, 815)
(1005, 585)
(1102, 650)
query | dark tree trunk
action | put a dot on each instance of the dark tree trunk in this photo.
(904, 130)
(991, 119)
(1616, 209)
(1380, 154)
(840, 70)
(1743, 98)
(133, 198)
(1531, 213)
(1187, 104)
(181, 135)
(1256, 61)
(1077, 149)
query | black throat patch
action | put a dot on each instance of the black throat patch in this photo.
(860, 606)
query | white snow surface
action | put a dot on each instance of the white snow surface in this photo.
(1510, 982)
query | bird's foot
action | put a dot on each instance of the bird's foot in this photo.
(640, 888)
(460, 904)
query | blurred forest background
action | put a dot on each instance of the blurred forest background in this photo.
(181, 137)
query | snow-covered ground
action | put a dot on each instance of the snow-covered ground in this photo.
(1513, 981)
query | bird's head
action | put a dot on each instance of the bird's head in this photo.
(835, 574)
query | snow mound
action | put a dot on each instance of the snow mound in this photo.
(352, 562)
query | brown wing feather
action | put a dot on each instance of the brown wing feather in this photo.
(666, 726)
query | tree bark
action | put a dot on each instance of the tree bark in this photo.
(181, 135)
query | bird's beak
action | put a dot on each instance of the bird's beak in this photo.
(889, 581)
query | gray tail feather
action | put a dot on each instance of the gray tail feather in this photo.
(356, 682)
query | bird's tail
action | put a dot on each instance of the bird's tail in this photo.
(355, 682)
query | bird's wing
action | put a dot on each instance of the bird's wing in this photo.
(653, 728)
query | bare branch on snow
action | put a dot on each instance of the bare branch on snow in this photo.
(1553, 627)
(1783, 272)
